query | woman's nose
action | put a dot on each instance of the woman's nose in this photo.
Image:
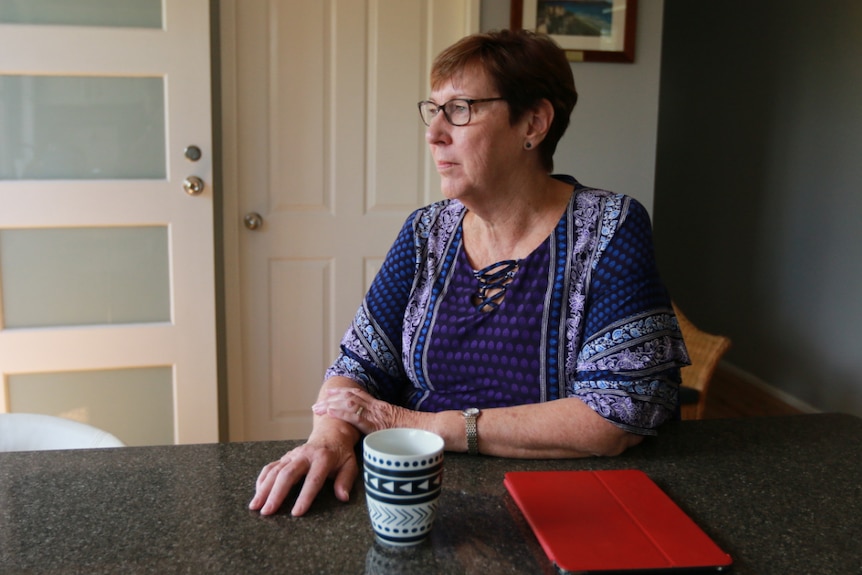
(437, 130)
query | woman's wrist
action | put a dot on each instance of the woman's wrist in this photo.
(450, 426)
(331, 430)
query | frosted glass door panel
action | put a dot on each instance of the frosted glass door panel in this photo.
(84, 276)
(119, 13)
(81, 128)
(106, 263)
(136, 405)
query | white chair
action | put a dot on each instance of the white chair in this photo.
(36, 432)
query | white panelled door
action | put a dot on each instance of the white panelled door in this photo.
(325, 158)
(107, 293)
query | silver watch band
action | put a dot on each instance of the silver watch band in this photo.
(470, 417)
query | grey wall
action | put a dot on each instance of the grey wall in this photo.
(758, 205)
(611, 142)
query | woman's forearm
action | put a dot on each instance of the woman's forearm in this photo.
(556, 429)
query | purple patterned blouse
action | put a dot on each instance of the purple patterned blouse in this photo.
(585, 316)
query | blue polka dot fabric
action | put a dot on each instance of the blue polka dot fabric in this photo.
(626, 279)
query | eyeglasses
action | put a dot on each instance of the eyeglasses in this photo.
(457, 112)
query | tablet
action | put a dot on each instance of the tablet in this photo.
(616, 521)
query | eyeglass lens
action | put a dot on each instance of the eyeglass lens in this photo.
(457, 112)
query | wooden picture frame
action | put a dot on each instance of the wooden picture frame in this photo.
(609, 26)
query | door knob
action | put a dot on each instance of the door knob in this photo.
(253, 220)
(193, 185)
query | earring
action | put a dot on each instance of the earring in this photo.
(528, 145)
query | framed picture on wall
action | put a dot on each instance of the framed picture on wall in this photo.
(588, 30)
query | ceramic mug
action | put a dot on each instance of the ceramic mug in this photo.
(403, 473)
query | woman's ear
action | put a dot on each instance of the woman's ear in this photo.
(539, 121)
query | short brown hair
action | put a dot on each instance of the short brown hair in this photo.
(525, 68)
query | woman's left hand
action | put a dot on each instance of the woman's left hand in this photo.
(360, 408)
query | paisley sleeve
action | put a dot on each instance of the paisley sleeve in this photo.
(370, 351)
(628, 365)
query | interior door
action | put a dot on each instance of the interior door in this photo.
(106, 258)
(325, 158)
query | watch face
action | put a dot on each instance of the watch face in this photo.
(471, 411)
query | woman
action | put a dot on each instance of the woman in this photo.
(522, 316)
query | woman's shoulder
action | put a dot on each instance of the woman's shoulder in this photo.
(603, 203)
(441, 214)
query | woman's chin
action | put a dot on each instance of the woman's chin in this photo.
(451, 190)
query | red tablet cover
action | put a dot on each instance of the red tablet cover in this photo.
(605, 521)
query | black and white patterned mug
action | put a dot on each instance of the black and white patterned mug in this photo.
(403, 472)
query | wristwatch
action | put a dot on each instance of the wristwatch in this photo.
(471, 414)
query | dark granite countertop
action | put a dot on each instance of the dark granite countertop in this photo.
(781, 495)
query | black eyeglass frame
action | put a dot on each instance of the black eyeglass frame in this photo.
(469, 101)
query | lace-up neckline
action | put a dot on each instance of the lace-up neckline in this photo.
(493, 281)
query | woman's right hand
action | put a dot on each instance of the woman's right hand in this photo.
(319, 459)
(328, 453)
